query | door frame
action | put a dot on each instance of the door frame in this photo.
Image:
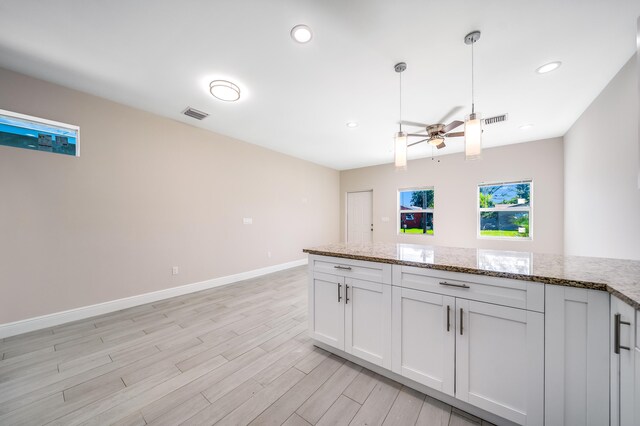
(346, 211)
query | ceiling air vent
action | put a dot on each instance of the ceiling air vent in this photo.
(194, 113)
(495, 119)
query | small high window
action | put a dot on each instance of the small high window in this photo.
(415, 208)
(39, 134)
(504, 210)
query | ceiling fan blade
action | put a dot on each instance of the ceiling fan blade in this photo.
(449, 127)
(442, 145)
(416, 134)
(416, 143)
(454, 111)
(413, 124)
(454, 135)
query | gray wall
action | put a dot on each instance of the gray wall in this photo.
(147, 193)
(455, 181)
(602, 199)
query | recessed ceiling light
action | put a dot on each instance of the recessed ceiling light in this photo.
(301, 33)
(352, 124)
(224, 90)
(526, 126)
(548, 67)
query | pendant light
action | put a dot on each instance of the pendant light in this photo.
(472, 122)
(400, 137)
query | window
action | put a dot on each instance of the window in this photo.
(416, 211)
(504, 210)
(23, 131)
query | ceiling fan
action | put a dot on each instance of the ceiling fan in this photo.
(436, 133)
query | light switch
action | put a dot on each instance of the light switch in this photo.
(247, 220)
(384, 218)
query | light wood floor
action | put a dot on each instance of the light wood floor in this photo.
(234, 355)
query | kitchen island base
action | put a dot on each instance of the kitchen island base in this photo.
(468, 408)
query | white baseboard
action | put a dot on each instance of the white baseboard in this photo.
(57, 318)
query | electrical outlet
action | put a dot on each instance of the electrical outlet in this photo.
(247, 220)
(175, 270)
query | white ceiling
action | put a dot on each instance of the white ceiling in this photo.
(159, 55)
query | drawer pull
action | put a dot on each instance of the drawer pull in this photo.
(616, 336)
(346, 268)
(454, 285)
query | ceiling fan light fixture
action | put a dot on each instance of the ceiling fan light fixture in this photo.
(400, 142)
(473, 136)
(224, 90)
(435, 141)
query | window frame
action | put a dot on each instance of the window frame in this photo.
(528, 209)
(46, 122)
(399, 211)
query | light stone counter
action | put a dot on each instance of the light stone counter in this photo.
(617, 276)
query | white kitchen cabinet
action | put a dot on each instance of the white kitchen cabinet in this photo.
(424, 328)
(576, 356)
(349, 313)
(623, 357)
(500, 360)
(637, 390)
(368, 321)
(446, 336)
(326, 309)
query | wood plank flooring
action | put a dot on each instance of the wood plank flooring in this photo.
(234, 355)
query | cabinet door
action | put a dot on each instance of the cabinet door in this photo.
(622, 363)
(368, 321)
(500, 360)
(637, 404)
(576, 356)
(424, 327)
(326, 309)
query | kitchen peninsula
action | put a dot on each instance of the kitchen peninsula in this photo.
(515, 337)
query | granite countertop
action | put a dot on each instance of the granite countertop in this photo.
(617, 276)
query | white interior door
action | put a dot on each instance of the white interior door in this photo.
(360, 217)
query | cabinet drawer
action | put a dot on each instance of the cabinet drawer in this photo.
(501, 291)
(368, 271)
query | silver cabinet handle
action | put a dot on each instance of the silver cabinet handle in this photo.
(454, 285)
(461, 321)
(448, 317)
(339, 296)
(346, 294)
(616, 337)
(346, 268)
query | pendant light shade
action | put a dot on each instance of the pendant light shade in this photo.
(472, 136)
(401, 150)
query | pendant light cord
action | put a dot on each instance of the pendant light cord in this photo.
(473, 104)
(400, 101)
